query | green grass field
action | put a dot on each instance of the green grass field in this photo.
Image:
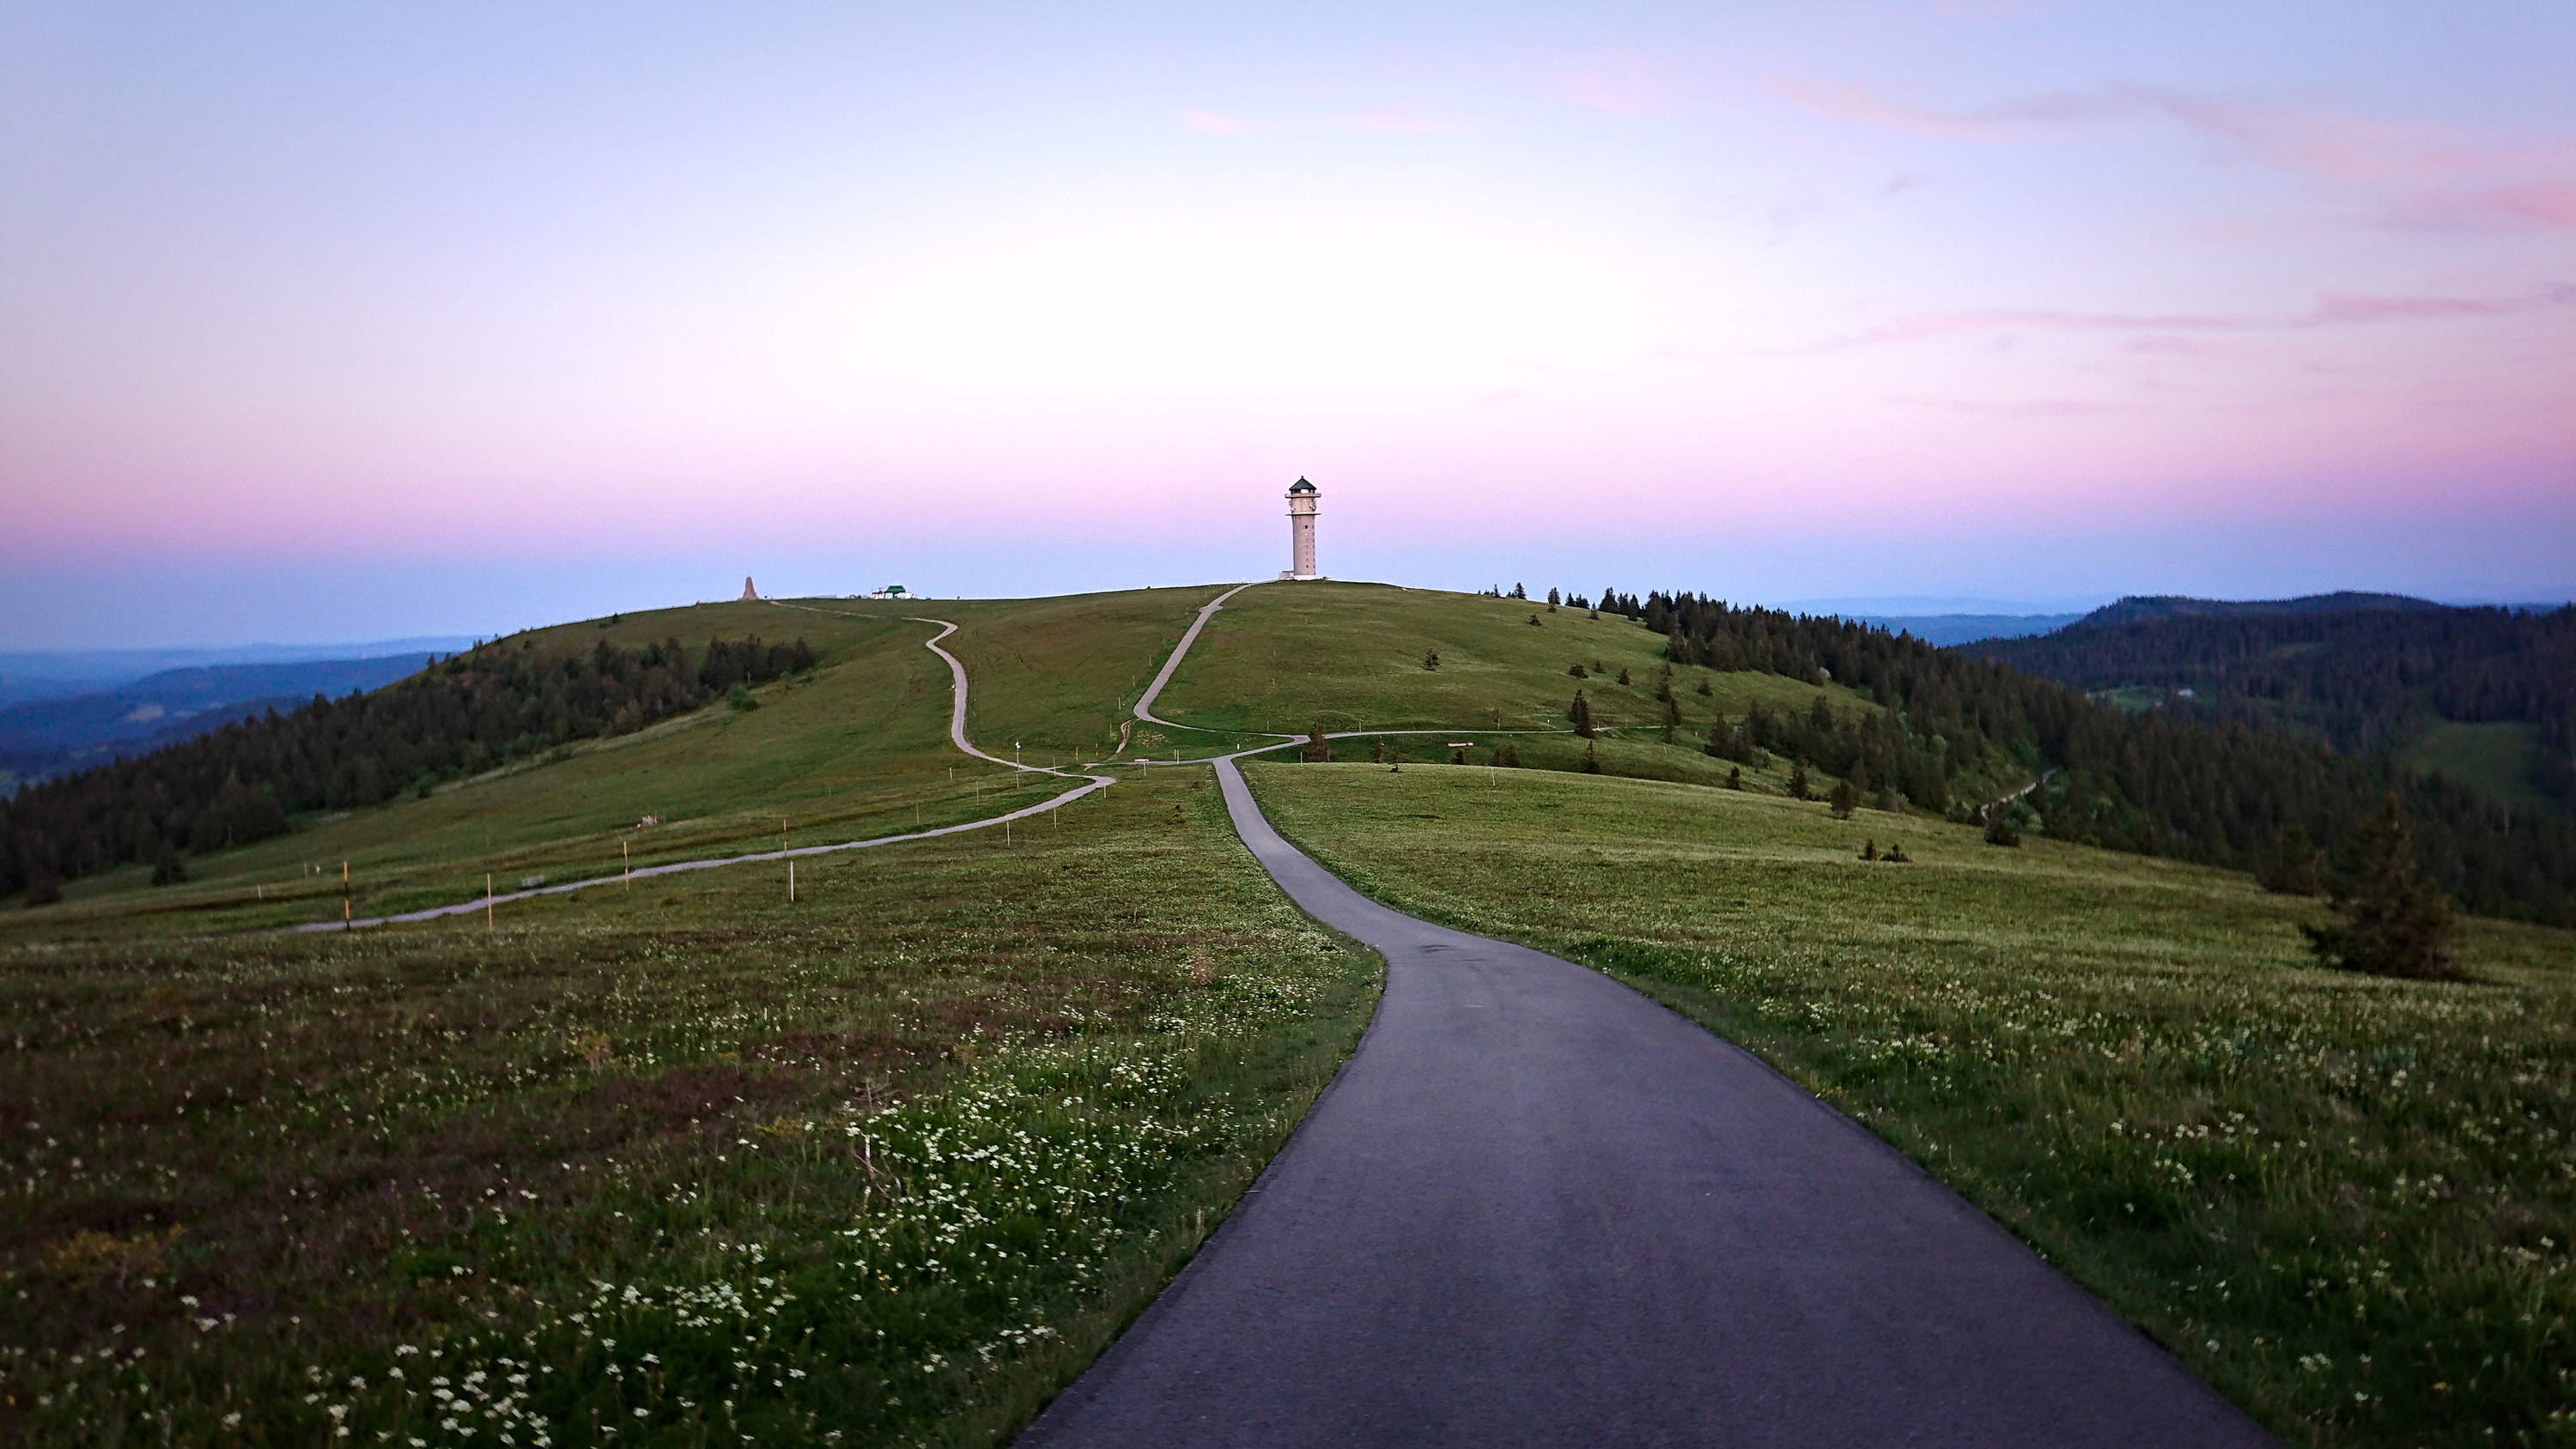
(2348, 1202)
(685, 1165)
(2498, 758)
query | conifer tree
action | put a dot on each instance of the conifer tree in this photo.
(1551, 601)
(1703, 686)
(1431, 659)
(1623, 674)
(1869, 850)
(1672, 717)
(1591, 761)
(1999, 828)
(1318, 750)
(2295, 867)
(1735, 777)
(1580, 712)
(1578, 671)
(1799, 787)
(2395, 921)
(1508, 755)
(1845, 798)
(166, 869)
(1377, 749)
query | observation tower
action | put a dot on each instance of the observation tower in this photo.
(1302, 498)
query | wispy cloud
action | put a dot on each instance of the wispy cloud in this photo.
(1617, 81)
(2028, 408)
(2332, 309)
(2546, 204)
(1387, 121)
(2010, 120)
(2333, 145)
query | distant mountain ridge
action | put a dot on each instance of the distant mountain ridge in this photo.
(51, 736)
(2175, 606)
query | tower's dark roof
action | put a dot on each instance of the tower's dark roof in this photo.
(1301, 486)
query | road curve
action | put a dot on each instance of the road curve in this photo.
(1536, 1208)
(956, 736)
(1163, 676)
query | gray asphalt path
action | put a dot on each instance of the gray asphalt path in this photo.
(1537, 1209)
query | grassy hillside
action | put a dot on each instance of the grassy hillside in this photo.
(2501, 758)
(2346, 1201)
(680, 1165)
(1058, 675)
(1283, 657)
(858, 747)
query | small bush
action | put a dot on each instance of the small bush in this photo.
(1999, 829)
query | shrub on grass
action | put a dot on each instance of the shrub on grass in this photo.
(1591, 760)
(2395, 921)
(1317, 749)
(1999, 829)
(1508, 755)
(1578, 671)
(1431, 659)
(1735, 777)
(166, 869)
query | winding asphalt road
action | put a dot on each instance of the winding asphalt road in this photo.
(1535, 1208)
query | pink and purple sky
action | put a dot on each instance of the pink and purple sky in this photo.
(337, 322)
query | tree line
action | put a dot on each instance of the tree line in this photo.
(469, 712)
(2367, 681)
(2216, 792)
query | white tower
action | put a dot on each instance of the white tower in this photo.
(1301, 530)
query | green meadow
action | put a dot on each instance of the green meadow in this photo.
(681, 1165)
(2350, 1203)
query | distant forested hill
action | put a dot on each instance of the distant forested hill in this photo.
(469, 712)
(50, 736)
(2488, 693)
(2152, 781)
